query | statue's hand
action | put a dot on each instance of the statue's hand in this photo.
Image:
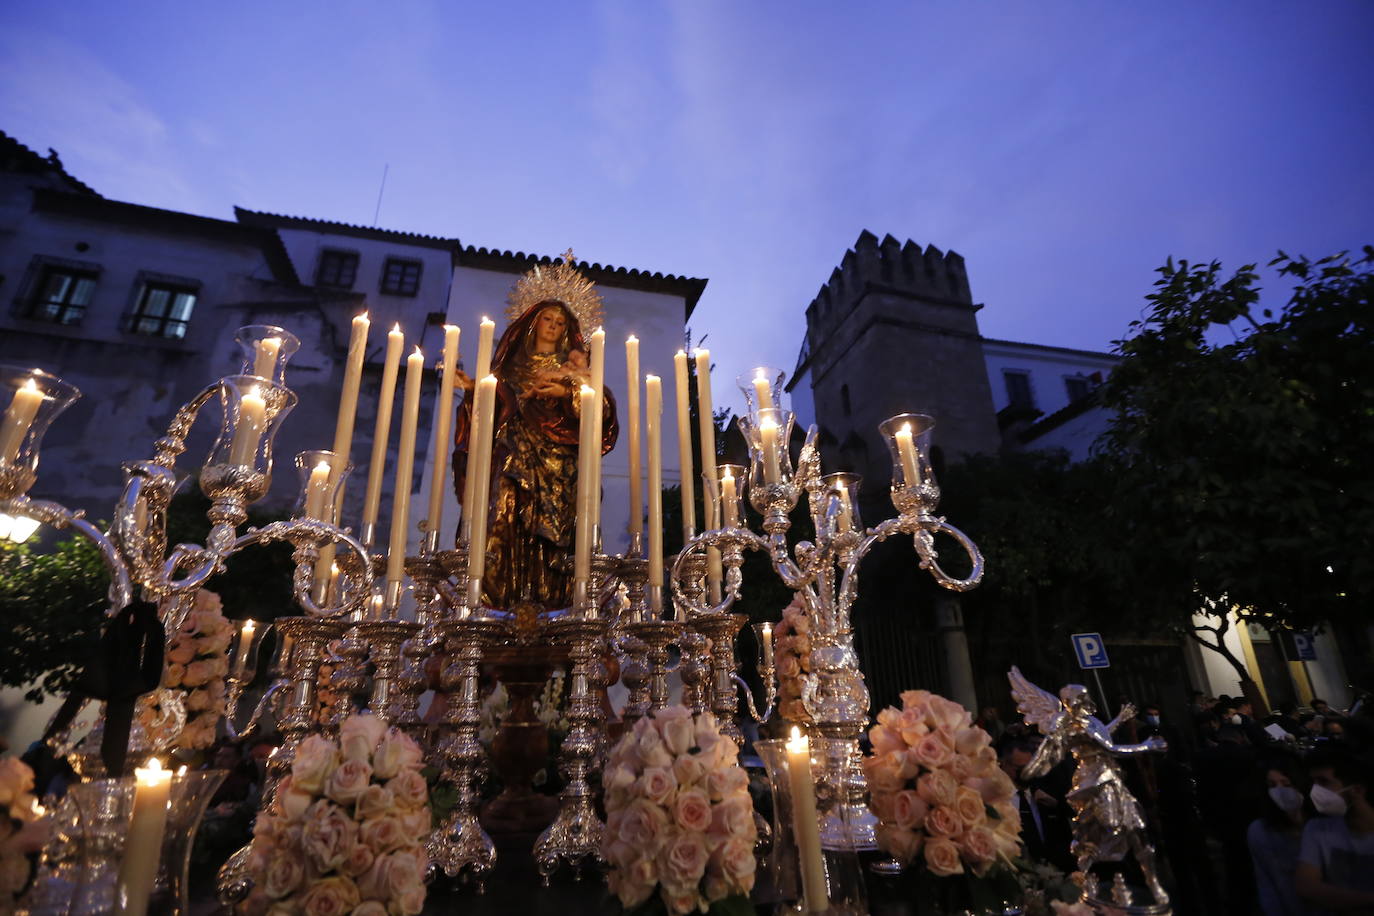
(1156, 743)
(463, 381)
(547, 388)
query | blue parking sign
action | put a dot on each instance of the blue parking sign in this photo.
(1091, 650)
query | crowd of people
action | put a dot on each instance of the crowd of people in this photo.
(1269, 815)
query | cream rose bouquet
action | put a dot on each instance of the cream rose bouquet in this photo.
(679, 819)
(792, 655)
(942, 801)
(23, 831)
(346, 831)
(196, 664)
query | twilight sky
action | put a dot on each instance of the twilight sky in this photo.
(1065, 149)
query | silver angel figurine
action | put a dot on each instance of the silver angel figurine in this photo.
(1107, 820)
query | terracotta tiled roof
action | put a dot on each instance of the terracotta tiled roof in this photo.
(278, 221)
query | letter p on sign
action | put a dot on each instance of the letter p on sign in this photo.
(1091, 650)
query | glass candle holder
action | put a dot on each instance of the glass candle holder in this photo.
(908, 437)
(245, 648)
(842, 503)
(762, 387)
(731, 481)
(320, 483)
(770, 459)
(763, 635)
(30, 399)
(266, 350)
(241, 459)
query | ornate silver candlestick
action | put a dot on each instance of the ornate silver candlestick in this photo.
(384, 639)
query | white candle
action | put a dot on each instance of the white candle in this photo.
(265, 357)
(143, 841)
(245, 643)
(684, 445)
(767, 629)
(598, 373)
(706, 421)
(343, 437)
(727, 500)
(653, 414)
(844, 517)
(907, 449)
(763, 392)
(632, 406)
(317, 492)
(405, 470)
(768, 440)
(479, 469)
(372, 500)
(804, 822)
(248, 431)
(486, 331)
(18, 418)
(443, 419)
(588, 443)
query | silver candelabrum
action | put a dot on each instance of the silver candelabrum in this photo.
(824, 573)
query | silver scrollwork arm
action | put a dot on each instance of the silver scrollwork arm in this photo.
(60, 517)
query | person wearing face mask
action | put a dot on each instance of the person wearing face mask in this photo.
(1274, 839)
(1336, 858)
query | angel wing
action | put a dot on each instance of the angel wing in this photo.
(1041, 709)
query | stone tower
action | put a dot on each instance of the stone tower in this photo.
(895, 330)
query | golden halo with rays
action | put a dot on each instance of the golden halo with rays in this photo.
(561, 281)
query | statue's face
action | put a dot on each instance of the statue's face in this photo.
(549, 326)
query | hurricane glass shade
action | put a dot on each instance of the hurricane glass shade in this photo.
(842, 503)
(770, 460)
(908, 437)
(263, 358)
(253, 411)
(30, 399)
(306, 462)
(761, 382)
(729, 505)
(245, 649)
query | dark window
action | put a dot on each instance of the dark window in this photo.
(163, 310)
(61, 295)
(401, 277)
(1077, 386)
(1019, 389)
(338, 269)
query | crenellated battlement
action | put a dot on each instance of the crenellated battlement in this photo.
(893, 267)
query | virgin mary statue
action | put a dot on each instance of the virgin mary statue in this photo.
(540, 363)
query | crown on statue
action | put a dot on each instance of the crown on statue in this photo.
(561, 281)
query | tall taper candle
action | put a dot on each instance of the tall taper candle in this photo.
(598, 373)
(684, 445)
(485, 331)
(372, 499)
(804, 823)
(143, 840)
(443, 420)
(479, 470)
(588, 442)
(317, 492)
(706, 420)
(405, 473)
(343, 439)
(632, 405)
(653, 419)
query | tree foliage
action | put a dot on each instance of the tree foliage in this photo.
(1242, 441)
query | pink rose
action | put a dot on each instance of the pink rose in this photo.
(959, 768)
(727, 781)
(900, 843)
(936, 788)
(409, 902)
(335, 896)
(359, 859)
(197, 673)
(968, 741)
(908, 810)
(968, 804)
(617, 852)
(942, 857)
(348, 781)
(409, 789)
(181, 651)
(396, 752)
(679, 734)
(658, 784)
(882, 804)
(979, 847)
(943, 821)
(359, 736)
(197, 700)
(634, 883)
(912, 698)
(285, 873)
(931, 752)
(1008, 814)
(733, 817)
(735, 860)
(327, 835)
(682, 899)
(788, 666)
(374, 802)
(948, 715)
(292, 801)
(793, 711)
(692, 811)
(689, 770)
(652, 751)
(207, 601)
(417, 821)
(683, 860)
(316, 758)
(173, 675)
(886, 740)
(370, 908)
(885, 772)
(391, 875)
(618, 778)
(383, 834)
(912, 725)
(644, 825)
(215, 643)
